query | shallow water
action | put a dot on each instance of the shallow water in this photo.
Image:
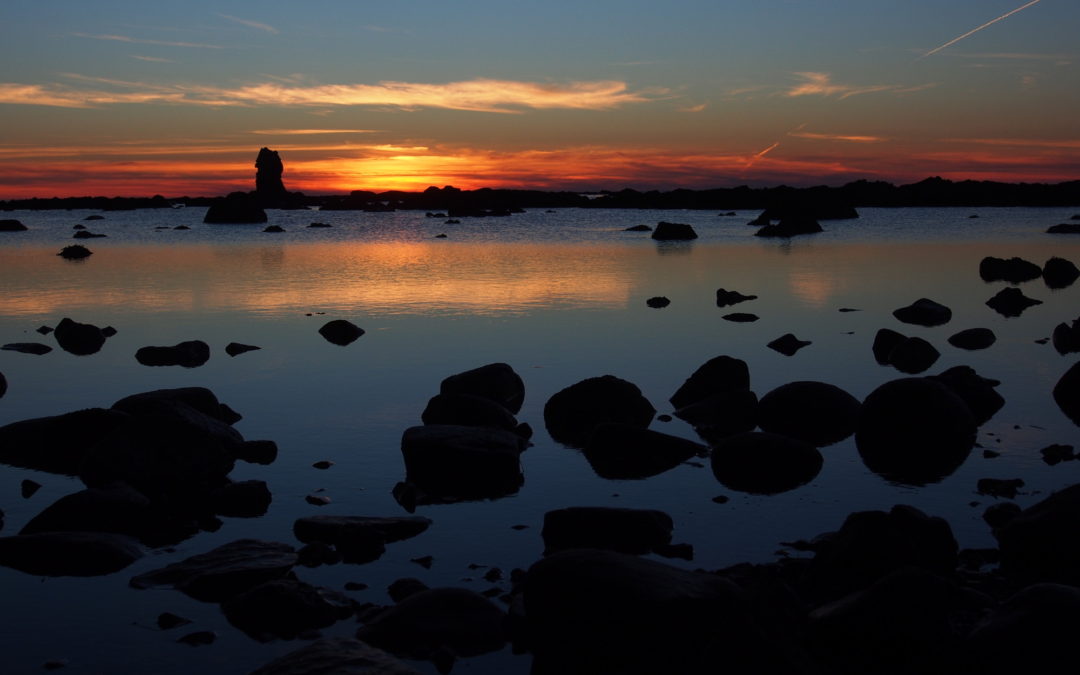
(559, 296)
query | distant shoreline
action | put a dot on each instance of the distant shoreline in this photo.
(933, 191)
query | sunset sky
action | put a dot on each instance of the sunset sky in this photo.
(137, 98)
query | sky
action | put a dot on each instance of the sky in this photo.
(136, 98)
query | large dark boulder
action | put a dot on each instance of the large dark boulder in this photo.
(1059, 273)
(1011, 302)
(716, 376)
(673, 232)
(1034, 631)
(913, 355)
(495, 381)
(336, 656)
(178, 402)
(3, 385)
(973, 339)
(619, 451)
(759, 462)
(815, 412)
(11, 225)
(224, 572)
(59, 443)
(924, 312)
(635, 531)
(438, 622)
(914, 430)
(285, 608)
(600, 612)
(467, 410)
(885, 341)
(465, 462)
(572, 414)
(1066, 337)
(1067, 393)
(340, 332)
(118, 508)
(722, 414)
(976, 391)
(69, 554)
(189, 354)
(78, 338)
(1013, 270)
(235, 209)
(872, 544)
(1042, 542)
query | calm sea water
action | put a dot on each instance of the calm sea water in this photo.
(558, 295)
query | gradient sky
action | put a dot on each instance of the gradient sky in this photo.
(140, 98)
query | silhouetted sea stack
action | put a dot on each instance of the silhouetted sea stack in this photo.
(268, 170)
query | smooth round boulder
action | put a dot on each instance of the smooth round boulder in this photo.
(913, 355)
(914, 431)
(760, 462)
(815, 412)
(716, 376)
(1059, 273)
(885, 341)
(340, 332)
(1067, 393)
(495, 381)
(924, 312)
(75, 252)
(972, 339)
(572, 414)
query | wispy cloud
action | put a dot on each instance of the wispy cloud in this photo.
(151, 59)
(701, 107)
(481, 95)
(1063, 144)
(251, 24)
(837, 137)
(821, 84)
(310, 132)
(142, 41)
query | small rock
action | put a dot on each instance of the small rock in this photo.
(995, 487)
(235, 348)
(323, 464)
(28, 348)
(168, 620)
(1057, 453)
(658, 302)
(740, 317)
(1011, 302)
(189, 354)
(317, 500)
(341, 332)
(787, 344)
(973, 338)
(725, 298)
(924, 312)
(75, 252)
(29, 487)
(424, 561)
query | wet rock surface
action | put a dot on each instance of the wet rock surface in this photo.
(336, 656)
(572, 414)
(69, 554)
(759, 462)
(223, 572)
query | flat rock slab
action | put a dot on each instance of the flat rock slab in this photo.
(69, 554)
(634, 531)
(740, 317)
(225, 571)
(336, 656)
(336, 529)
(35, 348)
(189, 354)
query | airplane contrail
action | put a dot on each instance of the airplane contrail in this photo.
(976, 30)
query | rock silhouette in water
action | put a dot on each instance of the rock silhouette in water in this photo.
(78, 338)
(237, 208)
(3, 385)
(341, 332)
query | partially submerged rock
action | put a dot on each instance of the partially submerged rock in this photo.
(716, 376)
(791, 225)
(976, 391)
(973, 339)
(725, 298)
(336, 656)
(225, 571)
(914, 430)
(69, 554)
(285, 608)
(673, 232)
(787, 344)
(188, 354)
(75, 252)
(3, 385)
(1059, 273)
(619, 451)
(634, 531)
(740, 317)
(35, 348)
(1013, 270)
(340, 332)
(78, 338)
(1042, 542)
(236, 348)
(658, 302)
(815, 412)
(722, 414)
(58, 443)
(12, 225)
(1067, 393)
(467, 410)
(572, 414)
(462, 462)
(495, 381)
(358, 539)
(1011, 302)
(759, 462)
(924, 312)
(1066, 337)
(237, 208)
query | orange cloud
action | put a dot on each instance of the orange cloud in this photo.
(837, 137)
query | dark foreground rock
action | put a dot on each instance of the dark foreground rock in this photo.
(78, 338)
(69, 554)
(1067, 393)
(1042, 542)
(572, 414)
(1013, 270)
(11, 225)
(3, 385)
(634, 531)
(716, 376)
(285, 608)
(1066, 337)
(35, 348)
(438, 623)
(462, 462)
(1059, 273)
(236, 209)
(910, 355)
(58, 443)
(189, 354)
(815, 412)
(75, 252)
(495, 381)
(592, 611)
(467, 410)
(973, 339)
(118, 508)
(619, 451)
(358, 539)
(340, 332)
(1011, 302)
(225, 571)
(673, 232)
(722, 414)
(336, 656)
(924, 312)
(914, 430)
(759, 462)
(976, 391)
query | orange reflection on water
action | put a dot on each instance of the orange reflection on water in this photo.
(392, 278)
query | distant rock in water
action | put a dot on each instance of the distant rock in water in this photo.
(924, 312)
(237, 208)
(658, 302)
(673, 232)
(740, 317)
(11, 225)
(341, 332)
(236, 348)
(725, 298)
(638, 228)
(75, 252)
(1013, 270)
(790, 226)
(973, 338)
(1059, 273)
(190, 354)
(273, 228)
(87, 234)
(320, 225)
(1064, 228)
(1011, 302)
(27, 348)
(787, 344)
(79, 338)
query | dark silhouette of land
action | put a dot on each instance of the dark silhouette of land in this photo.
(822, 202)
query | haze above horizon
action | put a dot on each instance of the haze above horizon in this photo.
(132, 99)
